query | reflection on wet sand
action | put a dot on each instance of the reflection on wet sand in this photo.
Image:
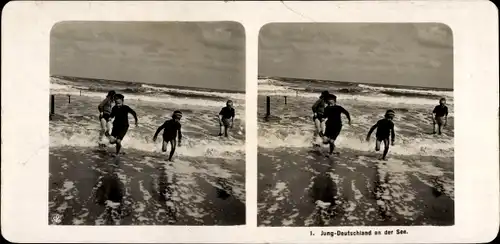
(354, 188)
(93, 188)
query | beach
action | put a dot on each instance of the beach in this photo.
(204, 185)
(415, 186)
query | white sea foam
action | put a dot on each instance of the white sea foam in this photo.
(267, 88)
(410, 91)
(238, 96)
(68, 89)
(191, 147)
(83, 133)
(303, 139)
(152, 99)
(353, 137)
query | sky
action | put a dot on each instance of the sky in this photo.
(194, 54)
(402, 54)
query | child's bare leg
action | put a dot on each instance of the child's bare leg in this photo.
(440, 126)
(377, 145)
(220, 129)
(332, 146)
(108, 128)
(317, 124)
(225, 131)
(103, 130)
(321, 127)
(173, 144)
(164, 146)
(386, 148)
(118, 146)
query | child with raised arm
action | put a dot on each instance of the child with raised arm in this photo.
(104, 115)
(318, 113)
(439, 116)
(385, 131)
(119, 114)
(333, 125)
(171, 131)
(226, 118)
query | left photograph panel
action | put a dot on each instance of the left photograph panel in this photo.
(147, 123)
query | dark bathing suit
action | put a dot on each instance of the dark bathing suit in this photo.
(440, 112)
(334, 121)
(120, 124)
(227, 113)
(105, 117)
(171, 129)
(385, 128)
(105, 109)
(319, 109)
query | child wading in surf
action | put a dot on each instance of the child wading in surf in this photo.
(385, 131)
(171, 131)
(226, 118)
(120, 122)
(333, 124)
(104, 114)
(440, 116)
(319, 113)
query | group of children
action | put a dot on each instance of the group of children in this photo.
(113, 108)
(327, 118)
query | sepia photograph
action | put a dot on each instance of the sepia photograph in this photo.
(250, 122)
(147, 123)
(356, 124)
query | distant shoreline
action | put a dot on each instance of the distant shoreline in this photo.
(132, 84)
(334, 82)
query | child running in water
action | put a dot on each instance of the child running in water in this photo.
(171, 129)
(104, 113)
(120, 122)
(385, 130)
(318, 113)
(439, 116)
(333, 124)
(226, 118)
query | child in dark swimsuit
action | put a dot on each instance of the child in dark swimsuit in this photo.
(104, 114)
(120, 123)
(333, 124)
(226, 118)
(385, 131)
(171, 129)
(440, 116)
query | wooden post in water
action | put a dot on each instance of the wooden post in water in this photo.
(69, 98)
(268, 107)
(80, 92)
(285, 100)
(51, 106)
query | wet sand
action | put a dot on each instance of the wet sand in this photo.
(362, 189)
(205, 185)
(414, 187)
(85, 184)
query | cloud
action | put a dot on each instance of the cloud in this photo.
(435, 63)
(220, 45)
(105, 36)
(363, 52)
(153, 47)
(101, 51)
(435, 36)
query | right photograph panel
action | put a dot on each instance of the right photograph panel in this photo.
(356, 124)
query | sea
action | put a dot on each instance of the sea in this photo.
(204, 185)
(299, 186)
